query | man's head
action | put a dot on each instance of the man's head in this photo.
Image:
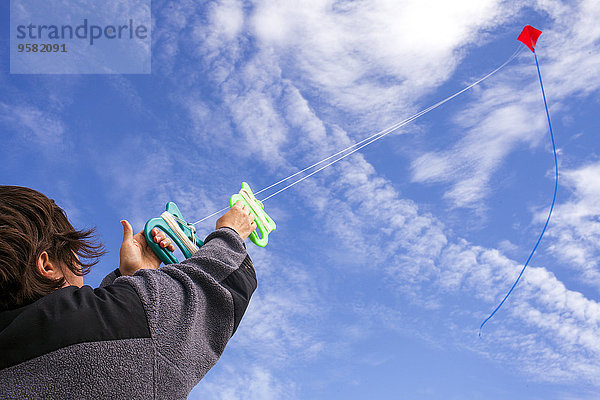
(40, 251)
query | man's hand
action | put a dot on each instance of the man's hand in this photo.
(136, 254)
(240, 219)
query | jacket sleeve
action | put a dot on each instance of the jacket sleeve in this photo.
(194, 307)
(110, 278)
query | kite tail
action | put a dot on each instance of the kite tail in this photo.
(551, 207)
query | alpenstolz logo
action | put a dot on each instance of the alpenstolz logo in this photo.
(80, 36)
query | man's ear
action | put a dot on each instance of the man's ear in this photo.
(47, 268)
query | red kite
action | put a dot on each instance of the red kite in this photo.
(529, 36)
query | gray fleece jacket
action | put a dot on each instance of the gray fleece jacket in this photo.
(152, 335)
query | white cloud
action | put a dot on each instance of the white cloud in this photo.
(437, 271)
(371, 58)
(494, 126)
(280, 325)
(575, 226)
(38, 127)
(287, 302)
(250, 382)
(517, 115)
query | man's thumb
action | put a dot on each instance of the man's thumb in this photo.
(127, 231)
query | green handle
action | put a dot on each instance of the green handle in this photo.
(257, 208)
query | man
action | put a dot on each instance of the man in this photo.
(145, 333)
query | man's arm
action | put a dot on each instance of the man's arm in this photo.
(193, 308)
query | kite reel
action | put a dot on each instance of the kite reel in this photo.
(183, 234)
(264, 223)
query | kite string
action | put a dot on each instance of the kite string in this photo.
(551, 207)
(397, 125)
(368, 140)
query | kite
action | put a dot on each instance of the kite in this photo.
(529, 37)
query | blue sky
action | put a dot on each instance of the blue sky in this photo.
(384, 265)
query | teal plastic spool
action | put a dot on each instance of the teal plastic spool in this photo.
(166, 255)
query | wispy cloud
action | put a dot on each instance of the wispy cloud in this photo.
(275, 327)
(494, 125)
(509, 111)
(281, 324)
(250, 382)
(33, 125)
(575, 233)
(367, 64)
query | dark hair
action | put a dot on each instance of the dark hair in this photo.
(31, 223)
